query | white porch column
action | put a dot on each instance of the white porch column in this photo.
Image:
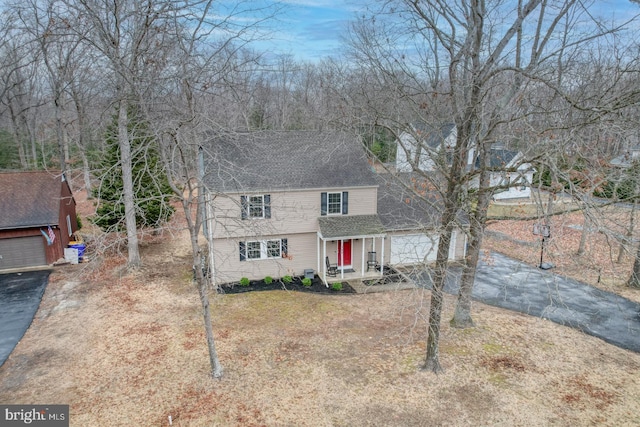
(342, 258)
(363, 250)
(324, 264)
(382, 257)
(318, 254)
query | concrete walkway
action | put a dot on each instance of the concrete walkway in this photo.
(20, 295)
(507, 283)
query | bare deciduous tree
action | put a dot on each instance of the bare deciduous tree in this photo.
(489, 67)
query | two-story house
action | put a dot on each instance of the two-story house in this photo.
(284, 202)
(429, 148)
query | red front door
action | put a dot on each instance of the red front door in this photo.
(344, 253)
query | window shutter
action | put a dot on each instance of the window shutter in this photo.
(243, 251)
(284, 248)
(267, 206)
(323, 203)
(244, 207)
(345, 202)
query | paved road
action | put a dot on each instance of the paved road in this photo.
(507, 283)
(20, 295)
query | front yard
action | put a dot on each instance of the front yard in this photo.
(129, 349)
(132, 352)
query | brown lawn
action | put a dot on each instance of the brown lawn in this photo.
(129, 350)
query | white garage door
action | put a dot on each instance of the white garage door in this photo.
(21, 252)
(415, 248)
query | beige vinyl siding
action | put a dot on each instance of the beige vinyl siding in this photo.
(291, 212)
(301, 255)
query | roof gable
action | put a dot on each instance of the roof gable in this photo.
(281, 160)
(30, 199)
(500, 158)
(435, 136)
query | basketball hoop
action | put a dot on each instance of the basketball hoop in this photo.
(544, 231)
(541, 230)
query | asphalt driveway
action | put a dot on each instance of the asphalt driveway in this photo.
(20, 295)
(507, 283)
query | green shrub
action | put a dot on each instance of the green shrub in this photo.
(287, 279)
(306, 282)
(336, 286)
(79, 221)
(268, 280)
(244, 281)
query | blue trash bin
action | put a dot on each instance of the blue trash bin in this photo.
(80, 247)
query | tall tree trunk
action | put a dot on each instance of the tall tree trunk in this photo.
(450, 210)
(198, 266)
(626, 242)
(462, 315)
(634, 280)
(583, 236)
(63, 153)
(81, 142)
(432, 359)
(127, 182)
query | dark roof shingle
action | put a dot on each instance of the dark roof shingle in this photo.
(352, 226)
(285, 160)
(406, 202)
(29, 199)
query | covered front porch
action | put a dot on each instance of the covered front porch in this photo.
(350, 247)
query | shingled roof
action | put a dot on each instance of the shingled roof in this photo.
(352, 226)
(285, 160)
(405, 202)
(29, 199)
(433, 136)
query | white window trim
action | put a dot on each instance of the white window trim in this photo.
(264, 253)
(262, 207)
(248, 258)
(339, 193)
(69, 226)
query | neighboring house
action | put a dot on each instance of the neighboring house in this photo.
(285, 202)
(37, 218)
(426, 146)
(423, 146)
(515, 177)
(626, 159)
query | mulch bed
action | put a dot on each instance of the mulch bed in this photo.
(317, 286)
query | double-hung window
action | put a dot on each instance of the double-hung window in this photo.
(254, 250)
(334, 203)
(274, 248)
(256, 206)
(263, 249)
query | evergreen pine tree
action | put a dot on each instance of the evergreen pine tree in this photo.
(152, 190)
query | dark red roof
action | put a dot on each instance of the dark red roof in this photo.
(30, 198)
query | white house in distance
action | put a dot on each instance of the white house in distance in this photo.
(286, 202)
(516, 183)
(426, 146)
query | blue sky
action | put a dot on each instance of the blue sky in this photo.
(311, 29)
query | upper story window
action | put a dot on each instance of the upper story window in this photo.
(334, 203)
(256, 206)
